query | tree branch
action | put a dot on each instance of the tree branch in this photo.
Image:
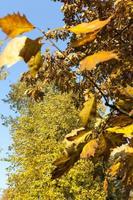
(112, 106)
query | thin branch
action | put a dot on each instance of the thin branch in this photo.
(112, 106)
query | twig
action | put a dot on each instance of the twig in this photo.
(113, 106)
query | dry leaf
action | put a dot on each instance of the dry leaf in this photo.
(91, 61)
(15, 24)
(89, 110)
(89, 149)
(89, 27)
(30, 49)
(10, 55)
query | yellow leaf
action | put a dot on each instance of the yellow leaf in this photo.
(35, 63)
(127, 130)
(89, 27)
(76, 136)
(10, 55)
(84, 39)
(15, 24)
(89, 110)
(89, 149)
(91, 61)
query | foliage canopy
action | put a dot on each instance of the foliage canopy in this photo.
(96, 69)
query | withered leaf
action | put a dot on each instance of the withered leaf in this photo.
(30, 49)
(64, 163)
(120, 120)
(15, 24)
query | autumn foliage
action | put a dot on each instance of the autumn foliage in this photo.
(96, 68)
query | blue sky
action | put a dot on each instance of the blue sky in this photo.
(43, 14)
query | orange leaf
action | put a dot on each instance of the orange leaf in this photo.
(15, 24)
(89, 27)
(114, 169)
(89, 149)
(91, 61)
(105, 185)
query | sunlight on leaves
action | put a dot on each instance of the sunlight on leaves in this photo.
(89, 149)
(84, 39)
(91, 61)
(89, 27)
(127, 130)
(89, 109)
(10, 55)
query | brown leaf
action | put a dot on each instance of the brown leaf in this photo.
(91, 61)
(89, 27)
(65, 163)
(89, 149)
(30, 49)
(120, 120)
(15, 24)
